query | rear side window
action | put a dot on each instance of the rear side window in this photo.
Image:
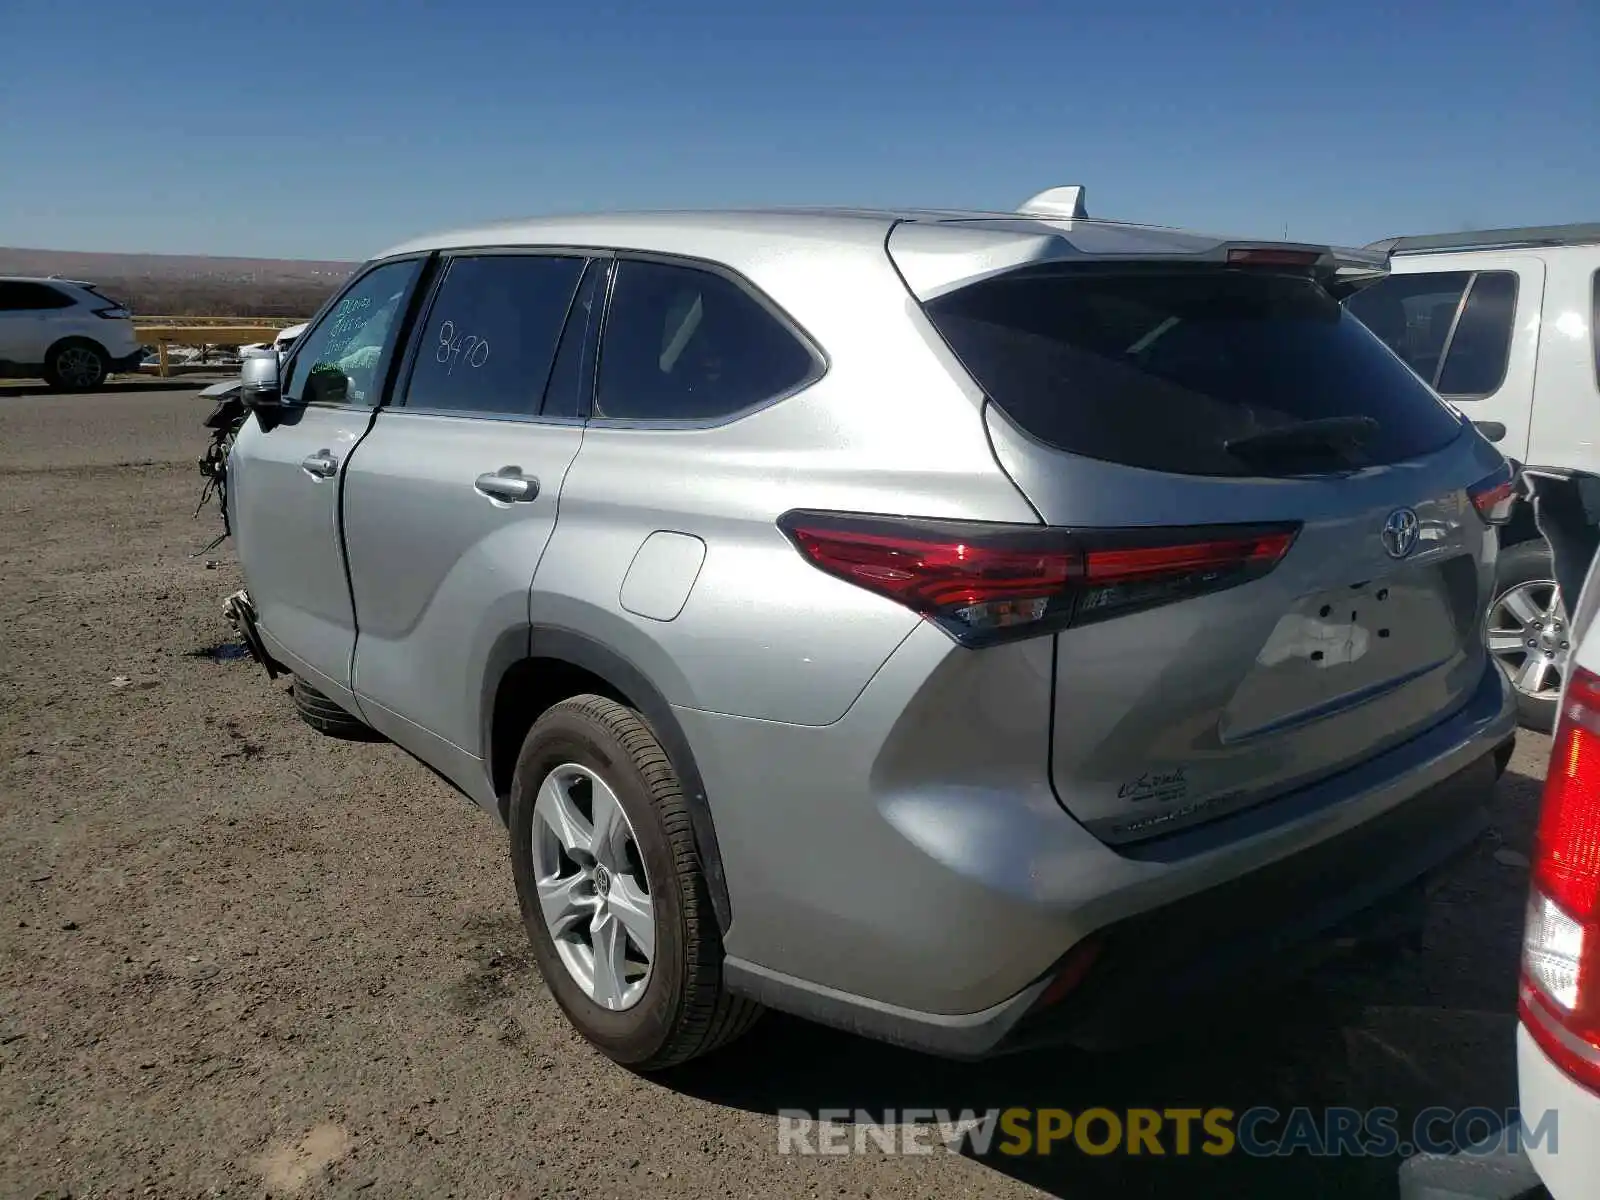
(1453, 327)
(684, 344)
(21, 296)
(1162, 369)
(490, 337)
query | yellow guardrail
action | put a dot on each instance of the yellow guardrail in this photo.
(163, 332)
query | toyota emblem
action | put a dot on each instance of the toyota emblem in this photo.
(1400, 532)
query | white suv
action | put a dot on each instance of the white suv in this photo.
(65, 332)
(1502, 324)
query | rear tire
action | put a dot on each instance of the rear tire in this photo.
(1526, 573)
(327, 718)
(594, 752)
(76, 365)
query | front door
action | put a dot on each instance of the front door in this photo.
(285, 481)
(451, 498)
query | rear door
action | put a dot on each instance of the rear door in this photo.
(453, 495)
(285, 482)
(1469, 326)
(30, 320)
(1182, 419)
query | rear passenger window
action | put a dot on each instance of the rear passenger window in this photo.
(26, 296)
(683, 344)
(1452, 327)
(490, 337)
(1165, 369)
(1475, 362)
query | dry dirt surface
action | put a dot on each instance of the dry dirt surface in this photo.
(238, 958)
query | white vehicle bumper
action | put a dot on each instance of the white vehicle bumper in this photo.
(1568, 1160)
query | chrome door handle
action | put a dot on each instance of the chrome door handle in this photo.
(321, 465)
(508, 484)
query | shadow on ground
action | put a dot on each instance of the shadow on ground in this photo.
(1434, 1028)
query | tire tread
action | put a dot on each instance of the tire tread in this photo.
(711, 1016)
(327, 717)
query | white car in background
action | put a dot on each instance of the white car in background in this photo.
(1502, 323)
(64, 332)
(280, 345)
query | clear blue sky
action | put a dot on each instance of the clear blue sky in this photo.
(332, 129)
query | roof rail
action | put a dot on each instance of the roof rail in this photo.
(1065, 202)
(1493, 239)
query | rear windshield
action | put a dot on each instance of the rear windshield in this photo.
(1162, 369)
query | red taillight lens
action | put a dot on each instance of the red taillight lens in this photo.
(1560, 994)
(982, 583)
(1495, 497)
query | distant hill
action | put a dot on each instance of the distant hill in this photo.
(191, 285)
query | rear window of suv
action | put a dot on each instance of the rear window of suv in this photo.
(1163, 368)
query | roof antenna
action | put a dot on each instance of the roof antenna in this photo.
(1057, 202)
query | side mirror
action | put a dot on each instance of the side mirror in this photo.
(259, 389)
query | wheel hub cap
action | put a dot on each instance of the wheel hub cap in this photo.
(593, 892)
(1529, 637)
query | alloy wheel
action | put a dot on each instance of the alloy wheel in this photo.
(593, 891)
(1530, 638)
(78, 366)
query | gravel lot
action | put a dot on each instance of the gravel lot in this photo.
(237, 957)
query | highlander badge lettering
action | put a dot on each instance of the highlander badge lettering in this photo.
(1159, 786)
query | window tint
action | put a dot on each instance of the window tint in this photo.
(574, 366)
(682, 344)
(20, 296)
(1414, 315)
(340, 359)
(1161, 369)
(1475, 362)
(491, 334)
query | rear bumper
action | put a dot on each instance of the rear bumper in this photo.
(1568, 1163)
(981, 896)
(128, 362)
(1366, 885)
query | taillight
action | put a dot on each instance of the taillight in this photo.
(1495, 497)
(1271, 256)
(1559, 1000)
(115, 313)
(983, 583)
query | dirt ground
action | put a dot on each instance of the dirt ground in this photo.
(238, 958)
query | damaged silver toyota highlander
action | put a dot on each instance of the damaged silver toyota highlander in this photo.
(968, 629)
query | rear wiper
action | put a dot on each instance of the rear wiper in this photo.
(1343, 436)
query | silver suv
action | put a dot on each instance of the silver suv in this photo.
(966, 629)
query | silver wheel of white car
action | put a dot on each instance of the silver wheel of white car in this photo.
(594, 893)
(1528, 636)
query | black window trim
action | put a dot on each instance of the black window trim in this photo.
(394, 397)
(820, 362)
(1450, 337)
(390, 363)
(1594, 325)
